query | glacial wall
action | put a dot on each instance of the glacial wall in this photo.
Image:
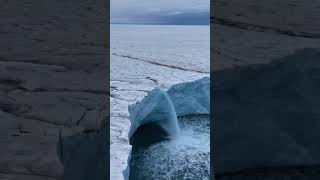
(161, 149)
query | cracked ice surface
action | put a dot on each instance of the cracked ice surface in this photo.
(142, 58)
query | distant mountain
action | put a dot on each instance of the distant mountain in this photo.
(170, 18)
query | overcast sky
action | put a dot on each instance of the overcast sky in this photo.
(160, 11)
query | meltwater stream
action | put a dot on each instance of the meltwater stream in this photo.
(170, 134)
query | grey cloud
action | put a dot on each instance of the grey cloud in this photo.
(160, 12)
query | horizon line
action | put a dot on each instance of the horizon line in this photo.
(160, 24)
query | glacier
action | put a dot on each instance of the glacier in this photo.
(168, 127)
(182, 54)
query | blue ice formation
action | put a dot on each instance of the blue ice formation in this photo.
(163, 107)
(154, 119)
(191, 98)
(156, 108)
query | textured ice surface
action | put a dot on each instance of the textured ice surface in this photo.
(184, 47)
(142, 58)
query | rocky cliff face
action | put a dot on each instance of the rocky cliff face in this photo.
(265, 80)
(53, 85)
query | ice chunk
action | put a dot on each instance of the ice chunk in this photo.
(191, 97)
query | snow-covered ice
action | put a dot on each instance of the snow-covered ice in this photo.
(144, 57)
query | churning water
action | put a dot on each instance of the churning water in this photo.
(184, 157)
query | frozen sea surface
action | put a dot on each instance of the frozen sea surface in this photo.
(144, 57)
